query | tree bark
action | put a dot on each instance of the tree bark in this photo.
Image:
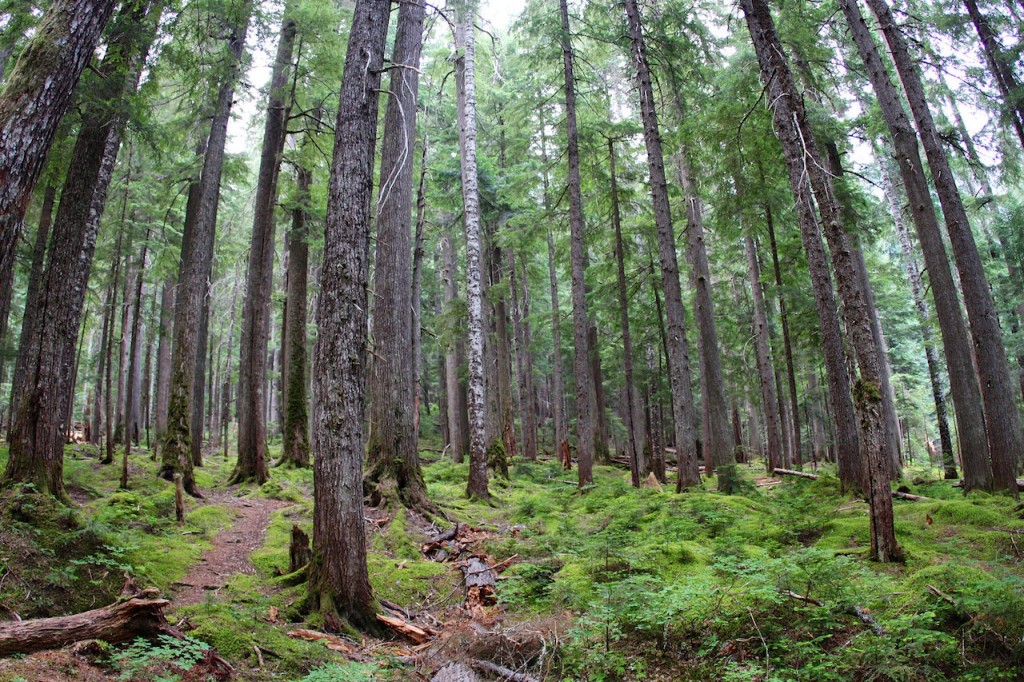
(585, 402)
(296, 418)
(35, 98)
(718, 445)
(1002, 420)
(194, 272)
(966, 392)
(38, 432)
(466, 86)
(678, 360)
(339, 584)
(393, 464)
(804, 163)
(786, 340)
(924, 320)
(632, 421)
(163, 360)
(457, 431)
(35, 282)
(524, 358)
(256, 310)
(765, 371)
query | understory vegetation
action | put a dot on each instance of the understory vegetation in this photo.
(772, 583)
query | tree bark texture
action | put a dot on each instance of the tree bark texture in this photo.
(339, 584)
(296, 416)
(763, 352)
(457, 408)
(45, 394)
(466, 81)
(1001, 66)
(35, 98)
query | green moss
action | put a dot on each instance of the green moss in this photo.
(410, 583)
(967, 512)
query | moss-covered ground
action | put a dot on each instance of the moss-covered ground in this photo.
(618, 583)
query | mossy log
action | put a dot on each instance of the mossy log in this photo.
(140, 616)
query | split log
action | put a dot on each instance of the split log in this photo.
(299, 553)
(801, 474)
(454, 672)
(505, 673)
(332, 642)
(140, 616)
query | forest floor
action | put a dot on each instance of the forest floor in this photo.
(772, 583)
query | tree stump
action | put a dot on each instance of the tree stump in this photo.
(299, 553)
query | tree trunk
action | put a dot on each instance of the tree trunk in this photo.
(339, 584)
(633, 445)
(393, 464)
(718, 445)
(966, 392)
(38, 432)
(194, 273)
(1002, 420)
(419, 380)
(678, 360)
(296, 417)
(465, 79)
(584, 380)
(256, 310)
(98, 401)
(198, 423)
(786, 341)
(804, 163)
(924, 320)
(35, 282)
(765, 371)
(163, 360)
(132, 402)
(454, 357)
(524, 359)
(35, 98)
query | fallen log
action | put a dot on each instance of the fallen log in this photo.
(801, 474)
(899, 494)
(505, 673)
(140, 616)
(861, 613)
(415, 633)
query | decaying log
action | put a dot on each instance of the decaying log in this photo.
(565, 455)
(140, 616)
(414, 632)
(503, 672)
(299, 553)
(899, 494)
(454, 672)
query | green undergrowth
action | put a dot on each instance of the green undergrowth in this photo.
(57, 559)
(696, 586)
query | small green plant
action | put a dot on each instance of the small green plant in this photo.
(341, 672)
(138, 656)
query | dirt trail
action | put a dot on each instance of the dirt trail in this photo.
(231, 548)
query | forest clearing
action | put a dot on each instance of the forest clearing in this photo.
(516, 340)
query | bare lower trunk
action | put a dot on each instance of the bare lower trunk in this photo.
(296, 417)
(163, 359)
(765, 370)
(524, 358)
(457, 432)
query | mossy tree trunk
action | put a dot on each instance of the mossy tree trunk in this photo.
(296, 417)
